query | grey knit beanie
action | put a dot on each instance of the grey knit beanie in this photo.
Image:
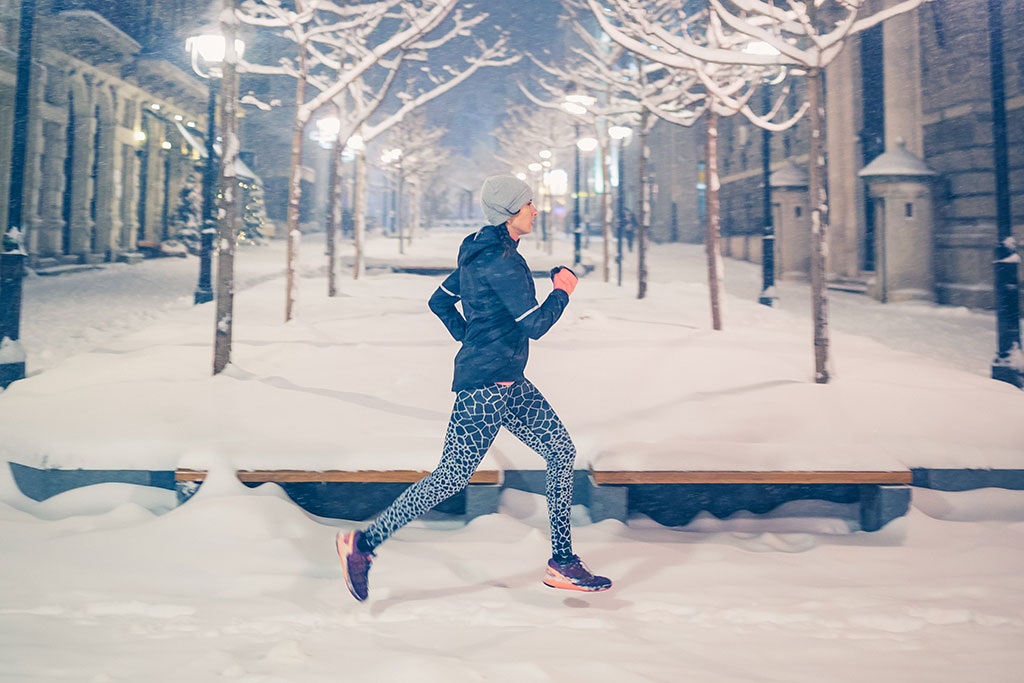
(502, 196)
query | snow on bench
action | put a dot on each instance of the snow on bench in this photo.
(364, 476)
(312, 489)
(876, 481)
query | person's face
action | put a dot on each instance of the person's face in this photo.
(522, 223)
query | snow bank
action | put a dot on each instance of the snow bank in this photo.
(361, 381)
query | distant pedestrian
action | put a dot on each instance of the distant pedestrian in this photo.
(631, 226)
(501, 314)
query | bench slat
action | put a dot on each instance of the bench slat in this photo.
(715, 477)
(366, 476)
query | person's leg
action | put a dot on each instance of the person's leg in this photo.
(475, 420)
(533, 421)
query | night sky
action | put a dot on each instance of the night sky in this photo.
(473, 109)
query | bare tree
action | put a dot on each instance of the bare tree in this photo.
(420, 156)
(336, 46)
(805, 37)
(529, 130)
(228, 215)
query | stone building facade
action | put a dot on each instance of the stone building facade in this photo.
(919, 84)
(113, 126)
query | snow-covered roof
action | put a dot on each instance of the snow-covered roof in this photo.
(896, 161)
(790, 175)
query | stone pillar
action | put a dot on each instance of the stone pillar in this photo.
(900, 186)
(843, 121)
(31, 201)
(129, 153)
(81, 173)
(46, 245)
(902, 65)
(103, 188)
(791, 211)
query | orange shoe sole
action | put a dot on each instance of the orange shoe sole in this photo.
(555, 580)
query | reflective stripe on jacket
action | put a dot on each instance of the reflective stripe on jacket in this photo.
(499, 302)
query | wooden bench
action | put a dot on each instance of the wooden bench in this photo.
(318, 491)
(882, 496)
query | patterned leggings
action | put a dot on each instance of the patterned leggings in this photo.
(475, 420)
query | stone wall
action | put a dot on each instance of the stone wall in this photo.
(105, 157)
(957, 128)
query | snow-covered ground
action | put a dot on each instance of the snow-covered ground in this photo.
(105, 584)
(114, 583)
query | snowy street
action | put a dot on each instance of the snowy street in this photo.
(115, 582)
(70, 313)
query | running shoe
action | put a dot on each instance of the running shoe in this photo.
(573, 575)
(355, 564)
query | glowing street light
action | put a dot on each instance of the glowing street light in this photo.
(207, 50)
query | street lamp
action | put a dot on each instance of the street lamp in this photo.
(12, 253)
(393, 157)
(1008, 365)
(767, 297)
(622, 134)
(207, 52)
(576, 104)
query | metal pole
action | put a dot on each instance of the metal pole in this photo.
(1005, 367)
(622, 206)
(204, 288)
(768, 236)
(577, 255)
(12, 258)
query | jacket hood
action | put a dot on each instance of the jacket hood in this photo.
(489, 237)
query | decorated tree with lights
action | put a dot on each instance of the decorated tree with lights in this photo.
(254, 214)
(188, 214)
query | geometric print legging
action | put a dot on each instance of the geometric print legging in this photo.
(477, 416)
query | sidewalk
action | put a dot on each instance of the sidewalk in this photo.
(67, 314)
(361, 381)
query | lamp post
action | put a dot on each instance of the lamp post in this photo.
(545, 155)
(207, 53)
(393, 157)
(576, 104)
(12, 254)
(586, 144)
(767, 297)
(1008, 365)
(620, 133)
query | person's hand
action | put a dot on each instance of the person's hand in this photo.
(564, 279)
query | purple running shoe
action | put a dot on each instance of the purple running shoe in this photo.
(355, 564)
(573, 575)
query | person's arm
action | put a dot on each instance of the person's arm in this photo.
(442, 303)
(507, 278)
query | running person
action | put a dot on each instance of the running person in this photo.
(501, 311)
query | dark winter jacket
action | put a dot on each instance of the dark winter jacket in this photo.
(500, 306)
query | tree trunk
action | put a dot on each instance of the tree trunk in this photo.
(414, 208)
(295, 187)
(819, 227)
(398, 211)
(333, 217)
(711, 238)
(644, 209)
(606, 205)
(228, 226)
(359, 224)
